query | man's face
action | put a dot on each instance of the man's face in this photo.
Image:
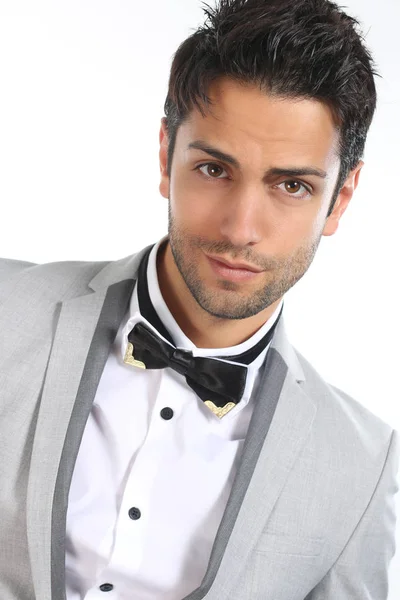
(266, 206)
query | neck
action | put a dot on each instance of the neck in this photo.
(203, 329)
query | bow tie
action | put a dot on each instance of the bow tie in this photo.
(219, 384)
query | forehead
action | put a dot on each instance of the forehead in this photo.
(255, 125)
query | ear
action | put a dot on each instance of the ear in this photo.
(342, 201)
(163, 154)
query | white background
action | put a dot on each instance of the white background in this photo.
(83, 83)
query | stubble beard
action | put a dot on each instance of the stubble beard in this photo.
(280, 274)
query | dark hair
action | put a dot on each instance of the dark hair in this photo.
(290, 48)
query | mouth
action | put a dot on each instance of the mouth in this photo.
(232, 271)
(236, 266)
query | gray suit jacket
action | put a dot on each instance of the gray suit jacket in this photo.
(311, 512)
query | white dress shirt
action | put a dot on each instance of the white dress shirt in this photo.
(150, 486)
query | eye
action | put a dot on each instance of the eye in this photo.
(295, 188)
(212, 170)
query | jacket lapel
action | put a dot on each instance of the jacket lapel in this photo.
(75, 328)
(85, 330)
(281, 421)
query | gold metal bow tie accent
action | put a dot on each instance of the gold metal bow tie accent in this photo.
(219, 411)
(129, 358)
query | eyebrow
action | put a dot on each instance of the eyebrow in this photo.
(273, 171)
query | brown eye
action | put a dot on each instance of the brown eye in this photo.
(211, 170)
(292, 186)
(295, 189)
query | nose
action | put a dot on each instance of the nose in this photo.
(242, 219)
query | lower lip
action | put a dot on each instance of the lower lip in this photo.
(233, 274)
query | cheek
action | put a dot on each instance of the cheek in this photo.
(292, 232)
(193, 210)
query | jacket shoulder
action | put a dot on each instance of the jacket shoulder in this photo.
(10, 267)
(47, 282)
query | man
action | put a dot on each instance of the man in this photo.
(161, 438)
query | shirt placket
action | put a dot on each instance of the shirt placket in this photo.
(156, 452)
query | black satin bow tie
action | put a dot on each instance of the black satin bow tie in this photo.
(219, 384)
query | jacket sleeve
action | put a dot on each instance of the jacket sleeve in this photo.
(361, 571)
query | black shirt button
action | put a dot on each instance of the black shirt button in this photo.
(134, 513)
(106, 587)
(167, 413)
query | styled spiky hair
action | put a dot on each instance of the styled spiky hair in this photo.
(290, 48)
